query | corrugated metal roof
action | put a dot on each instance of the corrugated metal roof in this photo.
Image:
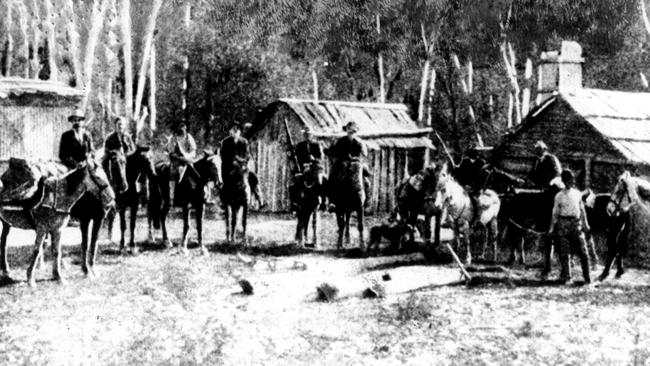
(328, 117)
(10, 87)
(622, 117)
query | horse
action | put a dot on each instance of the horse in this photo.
(456, 204)
(125, 176)
(235, 196)
(629, 208)
(192, 193)
(47, 211)
(349, 197)
(311, 193)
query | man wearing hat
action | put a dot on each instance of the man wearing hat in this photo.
(308, 152)
(233, 147)
(546, 168)
(470, 171)
(118, 144)
(567, 223)
(76, 145)
(182, 152)
(345, 149)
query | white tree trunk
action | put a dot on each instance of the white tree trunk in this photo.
(432, 91)
(72, 30)
(186, 62)
(423, 90)
(146, 53)
(23, 16)
(8, 44)
(127, 50)
(152, 88)
(525, 96)
(52, 48)
(510, 109)
(644, 16)
(380, 69)
(97, 21)
(314, 77)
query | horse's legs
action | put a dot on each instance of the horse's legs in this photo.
(199, 209)
(244, 222)
(226, 213)
(315, 227)
(92, 251)
(84, 223)
(299, 238)
(3, 249)
(465, 233)
(38, 247)
(133, 216)
(360, 219)
(340, 222)
(234, 216)
(347, 216)
(493, 237)
(186, 228)
(122, 212)
(110, 221)
(55, 235)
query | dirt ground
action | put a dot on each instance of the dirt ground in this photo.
(163, 308)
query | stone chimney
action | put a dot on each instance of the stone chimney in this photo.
(560, 71)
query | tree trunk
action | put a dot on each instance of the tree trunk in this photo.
(127, 51)
(97, 21)
(186, 65)
(75, 48)
(152, 88)
(380, 69)
(146, 53)
(644, 16)
(22, 21)
(432, 90)
(525, 96)
(314, 78)
(9, 42)
(48, 25)
(423, 90)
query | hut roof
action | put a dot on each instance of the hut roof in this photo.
(380, 124)
(18, 88)
(622, 118)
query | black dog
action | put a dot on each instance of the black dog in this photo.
(397, 232)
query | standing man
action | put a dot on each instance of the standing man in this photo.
(235, 146)
(546, 168)
(76, 144)
(118, 144)
(567, 223)
(182, 152)
(344, 150)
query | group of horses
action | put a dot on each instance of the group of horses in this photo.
(50, 198)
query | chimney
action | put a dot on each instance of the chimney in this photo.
(560, 71)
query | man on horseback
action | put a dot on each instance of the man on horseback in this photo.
(117, 145)
(76, 144)
(469, 173)
(309, 154)
(182, 152)
(233, 148)
(347, 148)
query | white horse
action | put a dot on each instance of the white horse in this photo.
(465, 214)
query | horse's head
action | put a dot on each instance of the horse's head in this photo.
(20, 181)
(208, 168)
(141, 162)
(116, 172)
(96, 183)
(621, 198)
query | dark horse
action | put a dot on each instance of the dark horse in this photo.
(191, 191)
(125, 177)
(349, 196)
(235, 196)
(629, 209)
(311, 193)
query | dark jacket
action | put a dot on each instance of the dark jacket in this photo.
(346, 148)
(232, 148)
(545, 169)
(121, 143)
(73, 150)
(308, 150)
(469, 173)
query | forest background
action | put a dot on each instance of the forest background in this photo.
(464, 67)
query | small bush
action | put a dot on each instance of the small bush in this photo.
(414, 308)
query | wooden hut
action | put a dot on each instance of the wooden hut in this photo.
(596, 133)
(33, 114)
(396, 145)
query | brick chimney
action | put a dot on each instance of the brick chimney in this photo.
(560, 71)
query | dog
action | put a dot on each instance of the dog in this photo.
(395, 231)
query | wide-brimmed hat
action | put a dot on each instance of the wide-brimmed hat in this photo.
(77, 115)
(541, 145)
(351, 126)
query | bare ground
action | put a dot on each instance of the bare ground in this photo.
(162, 308)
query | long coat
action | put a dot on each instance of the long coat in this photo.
(116, 142)
(73, 150)
(308, 150)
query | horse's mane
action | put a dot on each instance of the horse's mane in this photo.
(642, 188)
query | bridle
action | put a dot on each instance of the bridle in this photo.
(618, 202)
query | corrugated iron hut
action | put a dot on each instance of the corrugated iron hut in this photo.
(596, 133)
(395, 144)
(33, 114)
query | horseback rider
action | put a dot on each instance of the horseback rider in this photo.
(182, 152)
(470, 171)
(309, 153)
(118, 144)
(568, 220)
(346, 149)
(235, 147)
(76, 144)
